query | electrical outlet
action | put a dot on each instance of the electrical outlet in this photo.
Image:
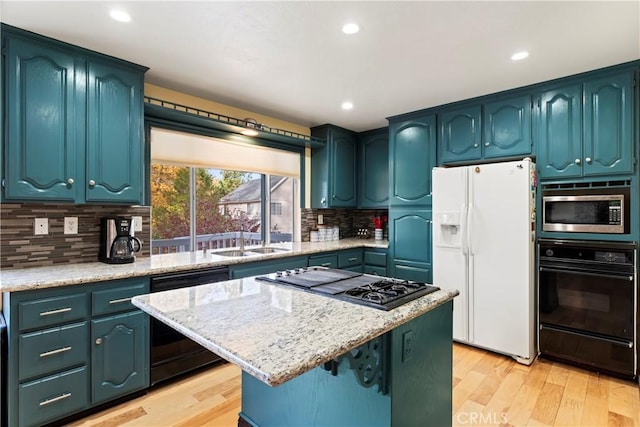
(70, 225)
(320, 219)
(137, 223)
(40, 226)
(407, 345)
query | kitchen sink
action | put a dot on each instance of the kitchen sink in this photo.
(249, 252)
(235, 253)
(267, 250)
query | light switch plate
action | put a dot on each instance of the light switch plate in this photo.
(320, 219)
(137, 223)
(40, 226)
(70, 225)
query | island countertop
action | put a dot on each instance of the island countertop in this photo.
(15, 280)
(274, 332)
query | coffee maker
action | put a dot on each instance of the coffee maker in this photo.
(117, 243)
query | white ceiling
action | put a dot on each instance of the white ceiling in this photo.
(290, 60)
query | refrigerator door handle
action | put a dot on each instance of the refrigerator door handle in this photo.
(463, 229)
(470, 249)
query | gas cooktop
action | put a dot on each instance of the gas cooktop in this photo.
(378, 292)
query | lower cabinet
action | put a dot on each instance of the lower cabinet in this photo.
(410, 244)
(375, 261)
(72, 348)
(119, 359)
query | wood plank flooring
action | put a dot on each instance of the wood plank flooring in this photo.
(489, 390)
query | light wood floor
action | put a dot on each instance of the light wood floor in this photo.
(489, 389)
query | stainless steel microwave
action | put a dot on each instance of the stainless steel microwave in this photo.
(586, 213)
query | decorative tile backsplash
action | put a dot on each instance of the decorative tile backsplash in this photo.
(20, 248)
(349, 220)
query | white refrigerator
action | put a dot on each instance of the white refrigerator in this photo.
(483, 245)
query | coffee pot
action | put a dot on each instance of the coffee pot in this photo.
(117, 243)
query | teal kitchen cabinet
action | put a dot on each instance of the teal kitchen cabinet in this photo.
(412, 152)
(328, 260)
(74, 347)
(373, 182)
(334, 168)
(460, 134)
(114, 152)
(375, 261)
(410, 237)
(118, 362)
(73, 123)
(586, 128)
(350, 259)
(497, 128)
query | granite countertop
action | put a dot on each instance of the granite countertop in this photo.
(73, 274)
(275, 332)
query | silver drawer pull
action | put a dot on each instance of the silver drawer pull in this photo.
(118, 301)
(326, 264)
(353, 259)
(49, 313)
(52, 352)
(55, 399)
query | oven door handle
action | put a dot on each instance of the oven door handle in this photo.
(628, 344)
(587, 273)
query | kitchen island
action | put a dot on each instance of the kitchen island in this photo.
(309, 359)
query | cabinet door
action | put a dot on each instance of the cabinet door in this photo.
(374, 170)
(608, 125)
(560, 139)
(114, 146)
(119, 356)
(343, 166)
(412, 154)
(460, 135)
(410, 243)
(507, 127)
(42, 116)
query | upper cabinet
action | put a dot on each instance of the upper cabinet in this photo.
(333, 168)
(412, 155)
(494, 129)
(586, 128)
(73, 123)
(373, 180)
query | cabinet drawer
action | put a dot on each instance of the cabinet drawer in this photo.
(116, 299)
(330, 261)
(53, 397)
(375, 270)
(51, 350)
(375, 258)
(45, 312)
(349, 259)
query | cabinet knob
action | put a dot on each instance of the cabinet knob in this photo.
(92, 183)
(588, 160)
(486, 144)
(99, 341)
(577, 161)
(323, 201)
(333, 196)
(70, 181)
(475, 145)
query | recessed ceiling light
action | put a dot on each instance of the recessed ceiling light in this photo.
(350, 28)
(347, 105)
(520, 55)
(120, 15)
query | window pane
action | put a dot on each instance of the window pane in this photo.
(169, 208)
(282, 191)
(227, 202)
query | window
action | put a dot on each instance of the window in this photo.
(276, 208)
(195, 207)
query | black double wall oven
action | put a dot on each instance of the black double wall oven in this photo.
(588, 304)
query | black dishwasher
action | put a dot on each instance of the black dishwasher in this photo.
(173, 354)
